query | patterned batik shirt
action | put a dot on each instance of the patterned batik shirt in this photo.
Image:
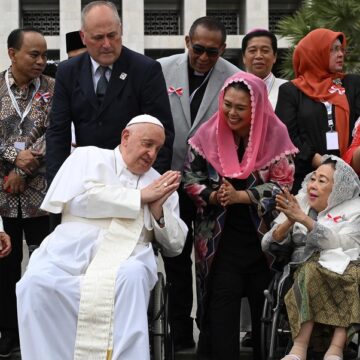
(31, 133)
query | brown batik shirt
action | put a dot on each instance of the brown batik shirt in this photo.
(31, 133)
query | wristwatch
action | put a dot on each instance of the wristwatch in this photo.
(161, 221)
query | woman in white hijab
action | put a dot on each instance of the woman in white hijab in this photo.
(323, 223)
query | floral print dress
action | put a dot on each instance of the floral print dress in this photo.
(200, 179)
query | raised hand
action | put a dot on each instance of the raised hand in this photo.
(158, 191)
(288, 204)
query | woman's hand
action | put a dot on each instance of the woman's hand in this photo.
(5, 244)
(227, 195)
(287, 203)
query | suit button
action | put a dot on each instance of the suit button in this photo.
(100, 123)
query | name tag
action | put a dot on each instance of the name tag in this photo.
(332, 140)
(19, 145)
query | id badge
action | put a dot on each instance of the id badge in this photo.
(19, 145)
(332, 140)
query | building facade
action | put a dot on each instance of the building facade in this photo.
(154, 27)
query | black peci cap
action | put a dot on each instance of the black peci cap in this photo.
(73, 41)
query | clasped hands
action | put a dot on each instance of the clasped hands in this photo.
(27, 160)
(14, 183)
(156, 193)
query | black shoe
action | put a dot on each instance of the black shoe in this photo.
(247, 340)
(184, 343)
(182, 331)
(8, 345)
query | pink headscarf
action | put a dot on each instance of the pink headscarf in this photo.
(268, 138)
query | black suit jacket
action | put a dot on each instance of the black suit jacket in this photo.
(136, 87)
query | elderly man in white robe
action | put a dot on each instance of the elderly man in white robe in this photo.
(86, 290)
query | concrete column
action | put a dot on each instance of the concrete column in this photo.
(10, 20)
(192, 11)
(133, 24)
(256, 14)
(70, 20)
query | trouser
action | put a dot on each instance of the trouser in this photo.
(35, 230)
(228, 288)
(179, 273)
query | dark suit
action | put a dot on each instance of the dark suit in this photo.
(136, 87)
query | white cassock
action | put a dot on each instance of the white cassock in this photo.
(97, 195)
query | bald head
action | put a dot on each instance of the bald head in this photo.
(101, 32)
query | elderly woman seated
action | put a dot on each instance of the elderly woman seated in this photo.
(323, 223)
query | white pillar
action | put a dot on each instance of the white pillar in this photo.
(133, 24)
(256, 14)
(192, 11)
(70, 20)
(9, 10)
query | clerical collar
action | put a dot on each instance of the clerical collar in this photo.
(195, 73)
(269, 81)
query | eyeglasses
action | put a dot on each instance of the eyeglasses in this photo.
(210, 52)
(336, 49)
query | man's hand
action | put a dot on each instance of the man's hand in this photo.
(5, 244)
(14, 183)
(159, 190)
(26, 160)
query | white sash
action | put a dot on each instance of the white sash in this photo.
(94, 337)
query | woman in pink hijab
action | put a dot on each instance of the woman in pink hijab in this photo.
(237, 162)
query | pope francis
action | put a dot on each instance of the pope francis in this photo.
(86, 290)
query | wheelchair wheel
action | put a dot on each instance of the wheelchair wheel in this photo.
(275, 330)
(161, 343)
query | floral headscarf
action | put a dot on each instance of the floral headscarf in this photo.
(314, 79)
(346, 184)
(268, 141)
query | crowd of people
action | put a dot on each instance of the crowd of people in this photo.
(121, 151)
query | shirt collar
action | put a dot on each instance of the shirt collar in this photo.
(95, 65)
(13, 83)
(269, 81)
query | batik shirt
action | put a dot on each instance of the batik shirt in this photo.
(31, 134)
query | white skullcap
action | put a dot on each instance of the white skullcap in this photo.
(144, 119)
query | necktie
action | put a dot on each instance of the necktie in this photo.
(102, 83)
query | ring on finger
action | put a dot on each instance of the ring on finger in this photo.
(165, 184)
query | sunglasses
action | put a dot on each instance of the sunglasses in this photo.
(210, 52)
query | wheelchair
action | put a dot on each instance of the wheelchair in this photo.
(276, 340)
(160, 337)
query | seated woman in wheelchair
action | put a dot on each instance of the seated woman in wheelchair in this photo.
(323, 223)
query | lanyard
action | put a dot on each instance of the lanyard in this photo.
(329, 115)
(195, 91)
(15, 103)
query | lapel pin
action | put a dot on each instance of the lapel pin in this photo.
(123, 76)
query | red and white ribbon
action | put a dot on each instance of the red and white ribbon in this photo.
(178, 91)
(335, 88)
(336, 219)
(45, 96)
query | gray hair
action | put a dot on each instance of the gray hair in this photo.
(96, 3)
